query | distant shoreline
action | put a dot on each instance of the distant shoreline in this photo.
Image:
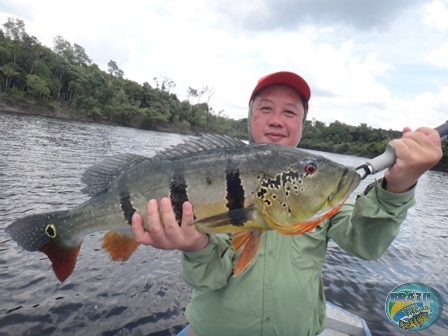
(66, 114)
(37, 110)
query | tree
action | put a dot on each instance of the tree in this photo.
(81, 55)
(114, 71)
(166, 85)
(37, 86)
(147, 95)
(64, 48)
(9, 71)
(192, 93)
(15, 29)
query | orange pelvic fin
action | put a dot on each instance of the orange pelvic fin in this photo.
(120, 247)
(249, 241)
(303, 227)
(62, 259)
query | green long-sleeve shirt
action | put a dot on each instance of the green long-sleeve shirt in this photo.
(281, 293)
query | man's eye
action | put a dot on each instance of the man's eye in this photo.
(265, 108)
(290, 113)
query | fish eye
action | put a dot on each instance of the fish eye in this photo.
(50, 230)
(310, 167)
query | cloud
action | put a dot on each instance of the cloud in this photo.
(16, 9)
(427, 109)
(436, 15)
(290, 14)
(439, 57)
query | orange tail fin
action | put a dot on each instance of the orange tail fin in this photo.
(63, 259)
(249, 241)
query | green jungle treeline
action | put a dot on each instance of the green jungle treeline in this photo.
(63, 82)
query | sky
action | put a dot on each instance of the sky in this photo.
(383, 63)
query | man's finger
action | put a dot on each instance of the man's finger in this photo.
(155, 226)
(426, 136)
(170, 224)
(139, 232)
(187, 215)
(137, 225)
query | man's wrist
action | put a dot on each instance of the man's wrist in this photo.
(396, 188)
(199, 246)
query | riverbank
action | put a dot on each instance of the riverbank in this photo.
(60, 112)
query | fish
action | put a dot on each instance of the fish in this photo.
(414, 321)
(235, 188)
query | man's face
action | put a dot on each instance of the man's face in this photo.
(277, 116)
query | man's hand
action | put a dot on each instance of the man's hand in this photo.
(164, 231)
(417, 151)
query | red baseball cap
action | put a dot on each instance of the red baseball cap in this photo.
(285, 78)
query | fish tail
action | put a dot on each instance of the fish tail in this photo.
(42, 232)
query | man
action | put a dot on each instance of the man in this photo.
(281, 293)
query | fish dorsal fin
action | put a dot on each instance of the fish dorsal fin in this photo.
(98, 177)
(205, 143)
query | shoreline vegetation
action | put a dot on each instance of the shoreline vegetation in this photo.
(63, 82)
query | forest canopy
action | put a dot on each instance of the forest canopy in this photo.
(64, 78)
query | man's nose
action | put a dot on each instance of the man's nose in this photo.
(276, 119)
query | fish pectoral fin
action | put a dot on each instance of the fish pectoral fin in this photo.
(300, 228)
(303, 227)
(63, 259)
(119, 246)
(227, 222)
(249, 241)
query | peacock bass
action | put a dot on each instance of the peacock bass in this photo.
(235, 188)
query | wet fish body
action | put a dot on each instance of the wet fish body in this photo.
(235, 188)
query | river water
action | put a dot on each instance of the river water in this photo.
(41, 161)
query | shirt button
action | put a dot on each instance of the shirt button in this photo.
(271, 253)
(267, 319)
(269, 285)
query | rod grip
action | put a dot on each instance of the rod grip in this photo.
(443, 130)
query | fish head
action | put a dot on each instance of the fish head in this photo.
(423, 317)
(305, 191)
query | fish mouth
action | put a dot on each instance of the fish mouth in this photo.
(348, 183)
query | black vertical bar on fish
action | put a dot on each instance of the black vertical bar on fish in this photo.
(178, 191)
(126, 206)
(235, 191)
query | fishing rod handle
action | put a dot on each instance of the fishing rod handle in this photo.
(443, 130)
(388, 158)
(382, 161)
